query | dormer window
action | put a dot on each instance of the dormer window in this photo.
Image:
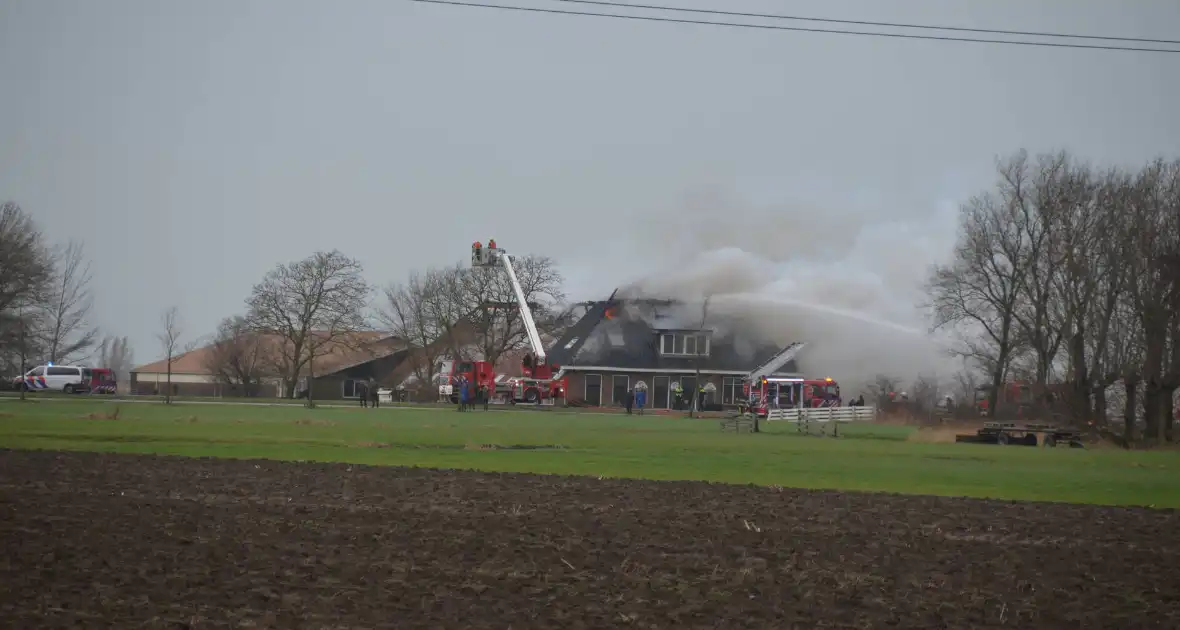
(684, 344)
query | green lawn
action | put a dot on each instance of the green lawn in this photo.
(869, 457)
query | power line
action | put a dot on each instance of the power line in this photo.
(799, 18)
(799, 29)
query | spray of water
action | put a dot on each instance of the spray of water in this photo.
(821, 310)
(854, 295)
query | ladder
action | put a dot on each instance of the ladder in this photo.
(776, 362)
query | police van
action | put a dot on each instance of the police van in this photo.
(69, 379)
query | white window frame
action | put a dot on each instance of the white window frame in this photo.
(682, 337)
(586, 388)
(732, 385)
(344, 390)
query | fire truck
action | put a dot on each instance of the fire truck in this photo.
(103, 381)
(764, 391)
(1015, 397)
(540, 382)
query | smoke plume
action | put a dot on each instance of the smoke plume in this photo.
(849, 286)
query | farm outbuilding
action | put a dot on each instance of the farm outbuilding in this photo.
(370, 354)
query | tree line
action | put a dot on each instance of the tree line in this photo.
(46, 302)
(303, 310)
(1066, 275)
(297, 313)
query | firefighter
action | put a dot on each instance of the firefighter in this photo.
(485, 394)
(677, 396)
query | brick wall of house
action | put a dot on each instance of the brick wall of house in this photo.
(578, 381)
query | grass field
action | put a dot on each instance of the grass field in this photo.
(869, 457)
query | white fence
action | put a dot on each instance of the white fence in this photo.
(808, 415)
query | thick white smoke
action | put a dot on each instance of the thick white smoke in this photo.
(849, 285)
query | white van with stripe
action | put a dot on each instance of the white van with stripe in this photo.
(69, 379)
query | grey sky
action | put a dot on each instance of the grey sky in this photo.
(195, 145)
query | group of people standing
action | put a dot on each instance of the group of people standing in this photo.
(367, 392)
(471, 394)
(635, 398)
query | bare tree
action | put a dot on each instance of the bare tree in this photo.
(26, 266)
(883, 388)
(496, 314)
(450, 308)
(67, 306)
(239, 356)
(115, 353)
(979, 292)
(407, 313)
(313, 306)
(1041, 194)
(1064, 257)
(1087, 282)
(171, 332)
(23, 339)
(924, 392)
(1153, 241)
(966, 384)
(1161, 202)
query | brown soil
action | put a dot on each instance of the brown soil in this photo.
(99, 540)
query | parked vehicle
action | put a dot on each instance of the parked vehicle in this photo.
(103, 381)
(69, 379)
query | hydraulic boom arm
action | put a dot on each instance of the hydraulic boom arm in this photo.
(526, 313)
(488, 257)
(776, 362)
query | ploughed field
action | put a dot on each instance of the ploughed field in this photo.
(100, 540)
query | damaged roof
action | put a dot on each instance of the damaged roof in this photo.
(626, 336)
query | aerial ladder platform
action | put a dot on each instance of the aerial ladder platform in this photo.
(538, 372)
(776, 363)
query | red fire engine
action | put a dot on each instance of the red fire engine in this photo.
(1014, 397)
(539, 381)
(764, 391)
(102, 381)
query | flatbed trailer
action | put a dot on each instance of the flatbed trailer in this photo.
(1004, 433)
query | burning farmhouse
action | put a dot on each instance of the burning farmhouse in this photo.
(663, 345)
(672, 349)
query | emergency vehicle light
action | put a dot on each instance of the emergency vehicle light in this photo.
(50, 364)
(782, 379)
(828, 379)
